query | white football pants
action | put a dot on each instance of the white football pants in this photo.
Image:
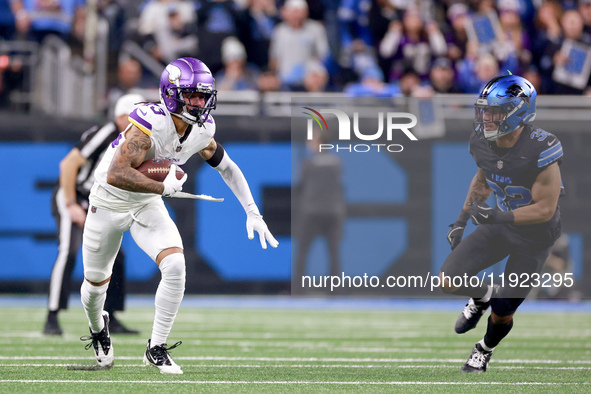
(150, 226)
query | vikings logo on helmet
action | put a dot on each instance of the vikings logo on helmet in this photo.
(174, 73)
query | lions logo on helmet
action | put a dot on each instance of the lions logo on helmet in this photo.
(505, 104)
(188, 76)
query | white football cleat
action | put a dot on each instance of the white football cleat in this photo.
(101, 342)
(157, 356)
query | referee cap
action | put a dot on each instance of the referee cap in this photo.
(126, 103)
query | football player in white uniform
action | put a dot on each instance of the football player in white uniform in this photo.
(124, 199)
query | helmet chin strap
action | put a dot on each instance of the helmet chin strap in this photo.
(186, 117)
(501, 134)
(495, 137)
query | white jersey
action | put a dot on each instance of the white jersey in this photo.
(156, 121)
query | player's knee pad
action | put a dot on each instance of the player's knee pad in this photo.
(89, 288)
(173, 267)
(96, 276)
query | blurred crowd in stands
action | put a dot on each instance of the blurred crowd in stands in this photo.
(360, 47)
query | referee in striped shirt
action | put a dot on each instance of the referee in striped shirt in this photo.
(69, 206)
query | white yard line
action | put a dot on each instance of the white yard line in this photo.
(368, 366)
(295, 382)
(312, 359)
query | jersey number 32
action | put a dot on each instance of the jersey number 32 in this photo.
(511, 197)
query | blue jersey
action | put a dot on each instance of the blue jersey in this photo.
(511, 173)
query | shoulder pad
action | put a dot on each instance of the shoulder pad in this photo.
(148, 117)
(209, 119)
(549, 147)
(209, 126)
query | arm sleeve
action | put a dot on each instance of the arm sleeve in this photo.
(236, 181)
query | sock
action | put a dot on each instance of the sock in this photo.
(93, 300)
(495, 333)
(484, 347)
(168, 296)
(486, 297)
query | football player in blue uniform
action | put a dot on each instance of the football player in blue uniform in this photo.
(520, 164)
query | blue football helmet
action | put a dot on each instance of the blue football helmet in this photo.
(507, 102)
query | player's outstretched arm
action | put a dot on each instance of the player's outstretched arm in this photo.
(130, 154)
(216, 157)
(545, 193)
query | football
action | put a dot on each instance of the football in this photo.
(157, 169)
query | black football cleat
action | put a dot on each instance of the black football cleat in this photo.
(52, 327)
(478, 360)
(101, 342)
(157, 356)
(471, 315)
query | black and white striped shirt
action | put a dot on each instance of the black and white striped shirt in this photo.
(92, 146)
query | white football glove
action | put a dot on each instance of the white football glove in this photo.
(255, 222)
(171, 184)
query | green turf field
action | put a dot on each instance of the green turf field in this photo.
(261, 350)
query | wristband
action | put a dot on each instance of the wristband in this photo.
(217, 157)
(463, 218)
